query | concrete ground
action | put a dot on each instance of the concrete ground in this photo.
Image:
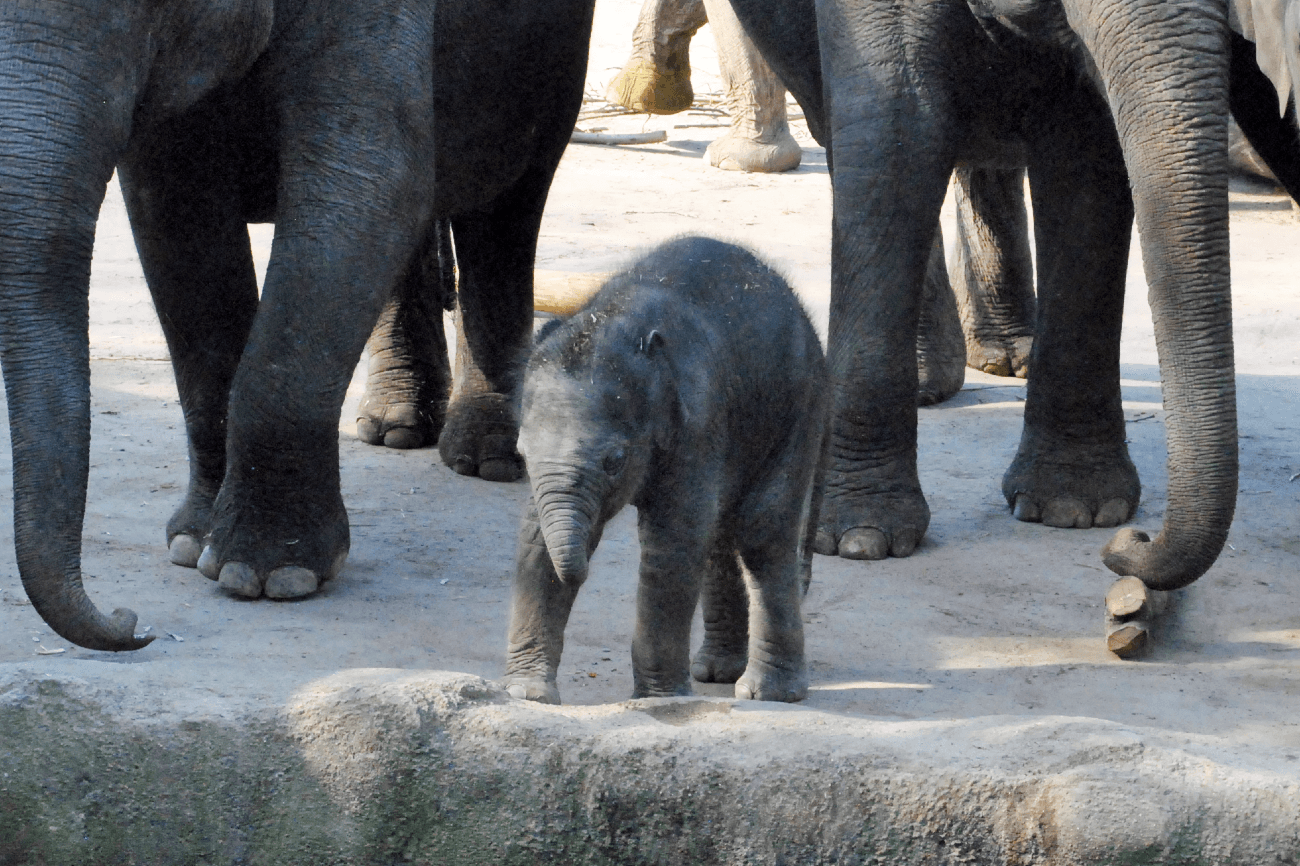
(963, 706)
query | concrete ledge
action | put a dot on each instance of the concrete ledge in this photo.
(384, 766)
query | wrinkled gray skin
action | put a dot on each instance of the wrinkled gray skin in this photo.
(693, 387)
(317, 115)
(1118, 108)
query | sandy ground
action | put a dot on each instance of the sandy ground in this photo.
(990, 617)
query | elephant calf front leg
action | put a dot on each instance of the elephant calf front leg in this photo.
(539, 612)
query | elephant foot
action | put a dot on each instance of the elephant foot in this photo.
(763, 682)
(717, 663)
(745, 150)
(938, 378)
(1071, 485)
(479, 438)
(1009, 358)
(641, 86)
(396, 423)
(529, 688)
(856, 525)
(660, 687)
(406, 385)
(251, 556)
(1131, 611)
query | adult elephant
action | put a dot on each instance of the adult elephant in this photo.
(1117, 107)
(315, 114)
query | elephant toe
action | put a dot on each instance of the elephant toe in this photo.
(1067, 513)
(238, 578)
(370, 431)
(185, 550)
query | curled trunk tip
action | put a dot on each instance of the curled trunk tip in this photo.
(1158, 564)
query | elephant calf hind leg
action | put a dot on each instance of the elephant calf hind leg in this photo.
(724, 653)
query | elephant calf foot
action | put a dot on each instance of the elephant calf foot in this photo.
(1072, 486)
(858, 525)
(1010, 358)
(479, 438)
(715, 663)
(764, 682)
(532, 688)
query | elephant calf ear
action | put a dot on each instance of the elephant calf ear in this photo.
(650, 342)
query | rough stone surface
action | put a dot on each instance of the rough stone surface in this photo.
(388, 766)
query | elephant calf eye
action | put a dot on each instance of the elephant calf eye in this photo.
(614, 461)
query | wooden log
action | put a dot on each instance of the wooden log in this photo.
(1131, 610)
(651, 137)
(1128, 640)
(562, 293)
(1126, 598)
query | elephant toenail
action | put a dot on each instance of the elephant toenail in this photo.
(403, 438)
(905, 541)
(291, 581)
(240, 579)
(185, 550)
(370, 431)
(1067, 513)
(208, 564)
(1113, 512)
(824, 543)
(1026, 510)
(864, 543)
(336, 566)
(463, 465)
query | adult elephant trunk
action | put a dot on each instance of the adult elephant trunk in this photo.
(1164, 67)
(568, 507)
(63, 124)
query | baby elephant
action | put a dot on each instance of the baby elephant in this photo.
(692, 386)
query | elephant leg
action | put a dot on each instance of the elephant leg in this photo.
(993, 275)
(539, 611)
(657, 77)
(886, 202)
(352, 204)
(724, 602)
(408, 375)
(194, 250)
(940, 351)
(674, 553)
(759, 138)
(1072, 467)
(495, 251)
